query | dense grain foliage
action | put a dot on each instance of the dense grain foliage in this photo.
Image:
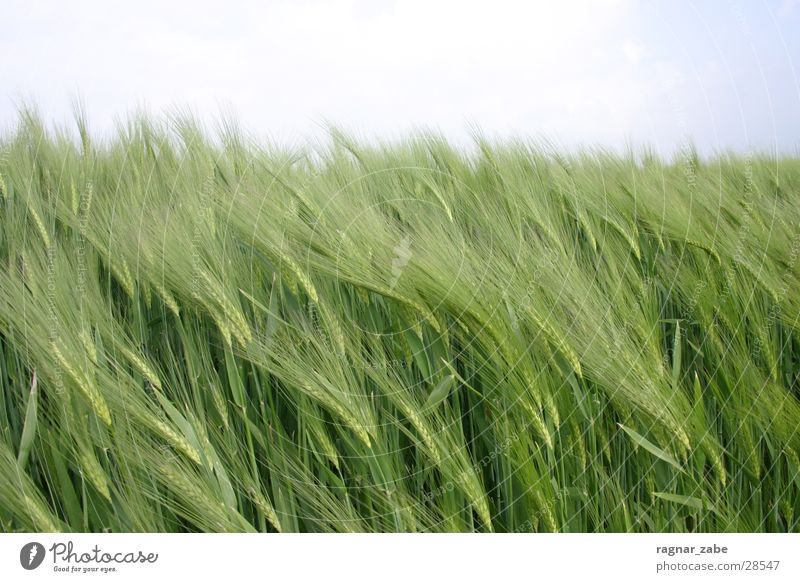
(202, 334)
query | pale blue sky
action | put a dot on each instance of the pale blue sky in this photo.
(723, 73)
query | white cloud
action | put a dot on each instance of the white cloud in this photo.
(635, 52)
(577, 71)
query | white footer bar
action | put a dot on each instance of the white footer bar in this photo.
(402, 557)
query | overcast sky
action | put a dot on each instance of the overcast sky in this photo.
(578, 72)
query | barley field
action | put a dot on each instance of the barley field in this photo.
(201, 332)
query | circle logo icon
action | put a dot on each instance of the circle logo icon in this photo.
(31, 555)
